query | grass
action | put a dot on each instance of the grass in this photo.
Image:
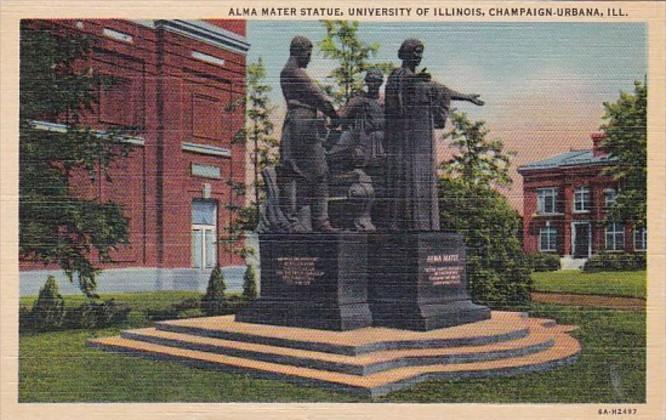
(617, 283)
(58, 367)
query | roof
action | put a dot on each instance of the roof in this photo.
(569, 159)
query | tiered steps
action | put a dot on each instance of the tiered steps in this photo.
(370, 361)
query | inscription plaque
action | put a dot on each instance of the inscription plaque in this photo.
(299, 271)
(443, 269)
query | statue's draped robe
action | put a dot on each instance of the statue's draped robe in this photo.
(413, 108)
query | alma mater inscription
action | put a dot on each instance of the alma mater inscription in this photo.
(443, 269)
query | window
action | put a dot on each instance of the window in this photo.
(546, 200)
(582, 201)
(610, 196)
(548, 238)
(615, 237)
(204, 234)
(640, 239)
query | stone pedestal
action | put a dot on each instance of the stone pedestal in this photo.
(312, 280)
(417, 281)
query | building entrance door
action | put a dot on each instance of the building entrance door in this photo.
(582, 239)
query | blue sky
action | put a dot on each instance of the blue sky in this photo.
(543, 83)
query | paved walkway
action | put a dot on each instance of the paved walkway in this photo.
(615, 302)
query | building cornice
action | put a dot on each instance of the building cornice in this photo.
(201, 31)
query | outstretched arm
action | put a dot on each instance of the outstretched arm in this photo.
(452, 94)
(457, 96)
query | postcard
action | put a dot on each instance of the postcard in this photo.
(222, 209)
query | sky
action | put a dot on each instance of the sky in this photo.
(543, 83)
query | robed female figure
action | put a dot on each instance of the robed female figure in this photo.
(414, 106)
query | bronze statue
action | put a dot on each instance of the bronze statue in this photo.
(415, 105)
(302, 172)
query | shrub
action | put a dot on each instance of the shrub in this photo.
(48, 311)
(187, 308)
(25, 319)
(615, 262)
(498, 272)
(544, 262)
(213, 301)
(97, 315)
(250, 284)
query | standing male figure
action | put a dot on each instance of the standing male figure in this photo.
(414, 106)
(302, 171)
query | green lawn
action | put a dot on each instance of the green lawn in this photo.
(617, 283)
(58, 367)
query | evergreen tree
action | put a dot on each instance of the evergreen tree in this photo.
(478, 161)
(250, 284)
(625, 127)
(343, 45)
(55, 225)
(260, 127)
(213, 301)
(48, 311)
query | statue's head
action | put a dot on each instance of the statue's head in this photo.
(411, 51)
(374, 78)
(301, 49)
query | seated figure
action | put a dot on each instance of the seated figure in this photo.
(356, 157)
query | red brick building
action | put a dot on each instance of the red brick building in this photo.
(565, 201)
(174, 80)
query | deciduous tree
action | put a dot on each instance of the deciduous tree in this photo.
(625, 126)
(343, 45)
(56, 225)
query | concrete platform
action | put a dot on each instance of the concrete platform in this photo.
(369, 361)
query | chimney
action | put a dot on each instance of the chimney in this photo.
(598, 148)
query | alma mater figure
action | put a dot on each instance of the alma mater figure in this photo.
(414, 106)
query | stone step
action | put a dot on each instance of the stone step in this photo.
(564, 350)
(502, 326)
(539, 339)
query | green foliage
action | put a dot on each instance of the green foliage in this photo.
(187, 308)
(478, 160)
(498, 272)
(48, 311)
(259, 131)
(342, 45)
(250, 283)
(213, 301)
(57, 226)
(615, 262)
(92, 315)
(544, 262)
(497, 269)
(625, 127)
